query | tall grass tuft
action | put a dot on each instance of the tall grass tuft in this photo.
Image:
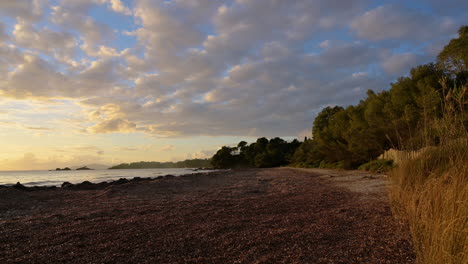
(431, 190)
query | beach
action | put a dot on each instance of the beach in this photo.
(279, 215)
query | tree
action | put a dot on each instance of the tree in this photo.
(399, 118)
(224, 158)
(261, 154)
(454, 57)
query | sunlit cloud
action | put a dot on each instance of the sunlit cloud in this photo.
(146, 71)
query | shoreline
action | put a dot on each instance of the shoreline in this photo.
(280, 215)
(87, 185)
(49, 179)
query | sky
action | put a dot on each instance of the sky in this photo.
(111, 81)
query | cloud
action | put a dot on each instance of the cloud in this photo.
(129, 149)
(215, 68)
(3, 34)
(38, 128)
(45, 40)
(25, 9)
(202, 154)
(346, 55)
(451, 8)
(399, 64)
(73, 15)
(33, 71)
(113, 126)
(395, 22)
(119, 7)
(168, 148)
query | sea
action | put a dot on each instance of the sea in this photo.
(56, 178)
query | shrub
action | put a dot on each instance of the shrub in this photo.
(380, 165)
(333, 165)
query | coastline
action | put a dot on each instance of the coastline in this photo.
(239, 216)
(87, 185)
(57, 178)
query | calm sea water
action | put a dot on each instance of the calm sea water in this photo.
(56, 178)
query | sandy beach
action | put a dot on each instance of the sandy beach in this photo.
(280, 215)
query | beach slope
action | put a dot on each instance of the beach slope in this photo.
(280, 215)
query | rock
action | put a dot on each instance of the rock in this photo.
(67, 185)
(20, 186)
(120, 181)
(86, 185)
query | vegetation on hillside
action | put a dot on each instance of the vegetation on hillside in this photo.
(190, 163)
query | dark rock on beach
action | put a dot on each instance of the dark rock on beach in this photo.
(67, 185)
(19, 186)
(120, 181)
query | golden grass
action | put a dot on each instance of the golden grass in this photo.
(431, 193)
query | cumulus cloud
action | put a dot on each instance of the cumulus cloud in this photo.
(119, 7)
(116, 125)
(25, 9)
(45, 40)
(202, 67)
(346, 55)
(399, 64)
(73, 15)
(391, 22)
(34, 77)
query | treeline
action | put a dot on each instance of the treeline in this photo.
(400, 118)
(403, 118)
(190, 163)
(261, 154)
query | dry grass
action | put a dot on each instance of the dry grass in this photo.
(431, 192)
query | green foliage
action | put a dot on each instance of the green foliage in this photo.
(334, 165)
(225, 158)
(380, 165)
(401, 118)
(263, 153)
(454, 56)
(193, 163)
(307, 155)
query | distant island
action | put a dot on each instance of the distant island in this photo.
(189, 163)
(64, 169)
(73, 168)
(93, 166)
(84, 168)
